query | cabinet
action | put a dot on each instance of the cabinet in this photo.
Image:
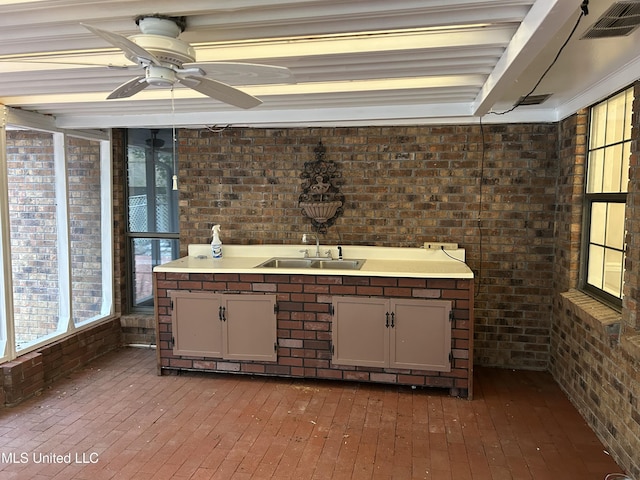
(229, 326)
(392, 333)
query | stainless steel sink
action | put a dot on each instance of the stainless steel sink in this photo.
(286, 263)
(339, 264)
(328, 264)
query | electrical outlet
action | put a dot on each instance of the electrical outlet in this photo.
(440, 245)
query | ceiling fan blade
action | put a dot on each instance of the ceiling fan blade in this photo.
(129, 88)
(220, 91)
(132, 50)
(238, 73)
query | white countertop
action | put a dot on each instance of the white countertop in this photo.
(380, 261)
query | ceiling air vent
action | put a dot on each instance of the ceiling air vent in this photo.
(619, 20)
(532, 100)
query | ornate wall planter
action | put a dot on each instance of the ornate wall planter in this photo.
(321, 199)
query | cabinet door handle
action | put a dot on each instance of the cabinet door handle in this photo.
(221, 314)
(393, 319)
(224, 316)
(387, 322)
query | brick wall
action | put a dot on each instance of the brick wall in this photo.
(403, 185)
(31, 372)
(304, 324)
(595, 350)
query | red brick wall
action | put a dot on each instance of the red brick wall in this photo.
(31, 372)
(595, 350)
(403, 186)
(304, 323)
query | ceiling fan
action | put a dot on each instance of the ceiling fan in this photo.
(168, 61)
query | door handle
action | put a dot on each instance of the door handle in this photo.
(393, 319)
(224, 316)
(221, 314)
(386, 324)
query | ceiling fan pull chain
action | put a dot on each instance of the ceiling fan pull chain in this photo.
(173, 141)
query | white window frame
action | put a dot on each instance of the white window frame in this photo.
(10, 118)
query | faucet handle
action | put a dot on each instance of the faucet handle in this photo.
(305, 251)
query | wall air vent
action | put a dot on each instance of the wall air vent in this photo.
(619, 20)
(532, 100)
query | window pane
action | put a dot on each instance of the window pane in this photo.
(33, 232)
(612, 168)
(594, 178)
(153, 204)
(616, 116)
(598, 125)
(147, 253)
(612, 281)
(615, 225)
(596, 262)
(598, 217)
(85, 229)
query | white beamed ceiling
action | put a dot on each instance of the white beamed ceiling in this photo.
(374, 62)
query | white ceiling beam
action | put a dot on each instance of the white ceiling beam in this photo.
(538, 28)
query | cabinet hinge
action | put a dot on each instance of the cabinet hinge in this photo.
(173, 341)
(276, 308)
(275, 347)
(332, 310)
(171, 304)
(451, 315)
(450, 357)
(333, 350)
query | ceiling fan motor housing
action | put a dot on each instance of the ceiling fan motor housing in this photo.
(166, 49)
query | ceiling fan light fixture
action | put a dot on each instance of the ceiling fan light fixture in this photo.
(160, 76)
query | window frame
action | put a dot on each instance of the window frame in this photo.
(131, 236)
(13, 118)
(589, 199)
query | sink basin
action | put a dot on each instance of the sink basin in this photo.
(339, 264)
(287, 263)
(349, 264)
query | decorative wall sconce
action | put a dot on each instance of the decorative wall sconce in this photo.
(321, 199)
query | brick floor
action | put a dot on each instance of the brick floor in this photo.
(117, 419)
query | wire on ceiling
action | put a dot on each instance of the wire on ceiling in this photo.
(584, 11)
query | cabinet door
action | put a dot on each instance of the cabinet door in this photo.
(359, 333)
(250, 328)
(421, 335)
(196, 325)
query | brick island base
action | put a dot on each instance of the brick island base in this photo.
(304, 325)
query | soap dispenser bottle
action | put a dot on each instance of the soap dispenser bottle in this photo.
(216, 243)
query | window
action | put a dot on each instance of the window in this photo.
(55, 230)
(152, 210)
(605, 197)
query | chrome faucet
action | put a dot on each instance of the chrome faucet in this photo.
(304, 240)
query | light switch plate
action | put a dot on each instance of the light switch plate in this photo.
(440, 245)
